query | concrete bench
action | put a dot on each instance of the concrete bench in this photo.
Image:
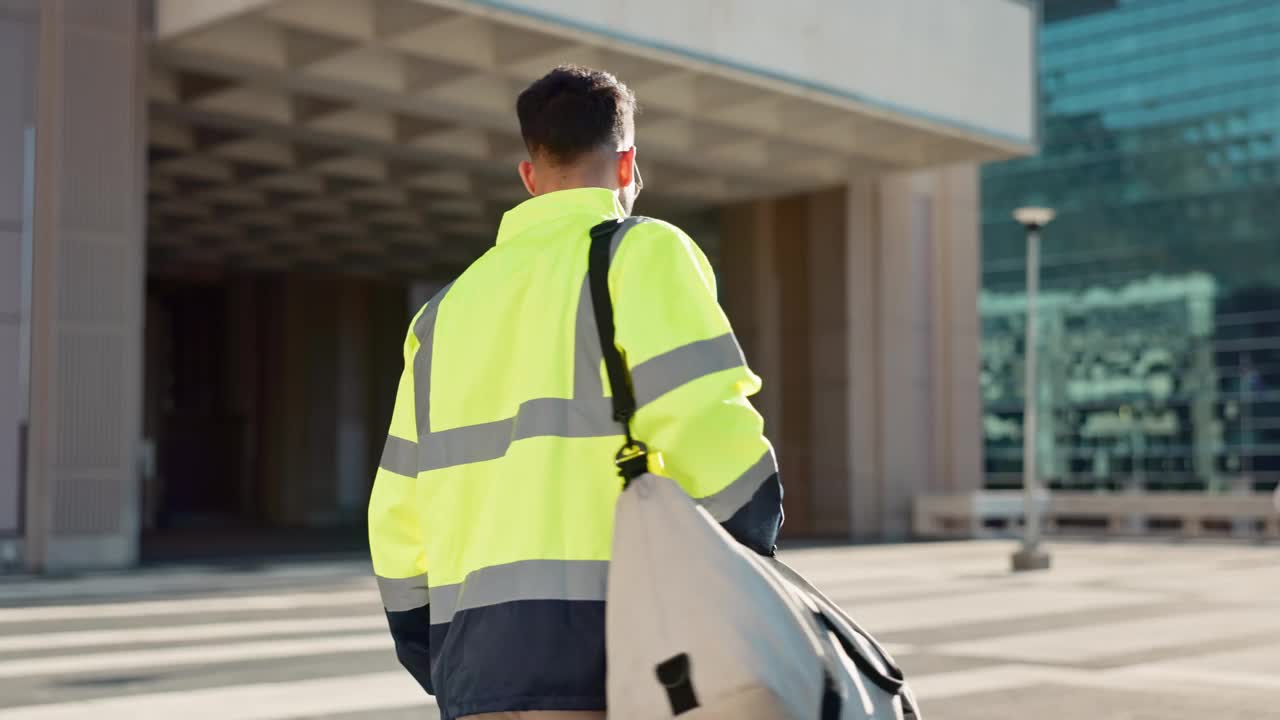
(999, 514)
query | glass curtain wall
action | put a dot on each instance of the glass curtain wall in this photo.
(1161, 275)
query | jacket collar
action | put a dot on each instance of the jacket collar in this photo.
(596, 203)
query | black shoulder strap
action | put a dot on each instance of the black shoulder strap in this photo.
(632, 460)
(624, 400)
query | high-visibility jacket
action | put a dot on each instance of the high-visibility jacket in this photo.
(491, 515)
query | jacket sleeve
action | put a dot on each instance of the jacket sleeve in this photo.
(395, 533)
(692, 383)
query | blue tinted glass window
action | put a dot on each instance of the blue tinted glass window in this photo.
(1161, 312)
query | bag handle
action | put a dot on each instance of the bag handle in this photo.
(633, 459)
(888, 678)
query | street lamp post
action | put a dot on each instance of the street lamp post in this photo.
(1031, 556)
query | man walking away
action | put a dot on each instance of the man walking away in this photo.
(491, 517)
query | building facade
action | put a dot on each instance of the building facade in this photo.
(216, 218)
(1161, 152)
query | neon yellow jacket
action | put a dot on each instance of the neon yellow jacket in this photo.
(491, 516)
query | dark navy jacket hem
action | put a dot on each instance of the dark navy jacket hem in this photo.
(516, 704)
(520, 655)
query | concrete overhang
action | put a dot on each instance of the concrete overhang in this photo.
(383, 125)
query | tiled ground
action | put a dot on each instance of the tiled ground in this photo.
(1113, 632)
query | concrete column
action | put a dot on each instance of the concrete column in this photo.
(905, 345)
(387, 323)
(865, 391)
(353, 462)
(826, 291)
(244, 401)
(301, 428)
(316, 489)
(957, 272)
(927, 335)
(861, 303)
(785, 292)
(331, 349)
(751, 294)
(19, 47)
(88, 274)
(793, 435)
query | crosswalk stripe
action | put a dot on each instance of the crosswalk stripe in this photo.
(942, 611)
(179, 606)
(190, 633)
(938, 686)
(266, 701)
(1157, 677)
(197, 655)
(1099, 641)
(395, 690)
(1171, 673)
(391, 690)
(191, 579)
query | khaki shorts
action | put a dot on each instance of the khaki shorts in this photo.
(539, 715)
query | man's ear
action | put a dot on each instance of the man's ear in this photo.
(626, 166)
(527, 176)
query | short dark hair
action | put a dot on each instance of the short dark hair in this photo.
(574, 110)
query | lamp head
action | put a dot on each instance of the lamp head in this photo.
(1034, 218)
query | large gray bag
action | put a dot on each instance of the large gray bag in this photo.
(702, 628)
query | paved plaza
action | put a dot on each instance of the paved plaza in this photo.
(1113, 632)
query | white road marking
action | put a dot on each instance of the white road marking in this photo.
(943, 610)
(193, 655)
(1094, 642)
(191, 633)
(188, 579)
(937, 686)
(1172, 674)
(265, 701)
(1153, 678)
(182, 606)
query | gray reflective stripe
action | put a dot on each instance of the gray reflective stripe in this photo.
(587, 414)
(525, 580)
(425, 330)
(400, 456)
(660, 375)
(444, 602)
(543, 417)
(401, 594)
(723, 504)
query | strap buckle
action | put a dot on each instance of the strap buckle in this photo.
(632, 461)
